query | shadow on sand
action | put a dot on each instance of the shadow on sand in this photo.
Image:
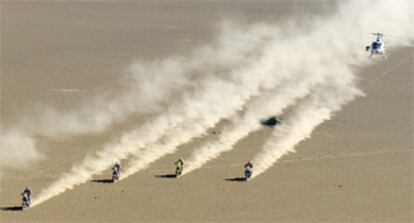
(237, 179)
(103, 181)
(12, 208)
(271, 122)
(166, 176)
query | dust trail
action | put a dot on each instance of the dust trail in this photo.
(326, 100)
(209, 101)
(329, 98)
(337, 71)
(169, 78)
(272, 103)
(220, 96)
(264, 73)
(176, 74)
(16, 149)
(334, 55)
(275, 64)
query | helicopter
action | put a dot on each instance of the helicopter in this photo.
(378, 46)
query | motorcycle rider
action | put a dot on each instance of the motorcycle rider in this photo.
(116, 171)
(179, 165)
(27, 197)
(248, 170)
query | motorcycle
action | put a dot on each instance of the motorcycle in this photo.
(26, 201)
(178, 170)
(115, 175)
(248, 173)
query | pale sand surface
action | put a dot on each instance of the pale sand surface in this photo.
(357, 167)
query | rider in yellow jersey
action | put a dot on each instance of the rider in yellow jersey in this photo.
(179, 164)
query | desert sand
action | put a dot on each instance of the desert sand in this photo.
(356, 167)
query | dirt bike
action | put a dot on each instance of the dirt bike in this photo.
(178, 170)
(26, 201)
(115, 175)
(248, 173)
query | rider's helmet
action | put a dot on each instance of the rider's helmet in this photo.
(27, 191)
(117, 166)
(179, 162)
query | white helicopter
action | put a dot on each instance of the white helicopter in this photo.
(378, 46)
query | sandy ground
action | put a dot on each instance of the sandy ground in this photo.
(358, 167)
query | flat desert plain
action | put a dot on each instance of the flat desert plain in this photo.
(355, 167)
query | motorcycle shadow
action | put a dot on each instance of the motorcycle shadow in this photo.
(237, 179)
(103, 181)
(12, 208)
(271, 121)
(166, 176)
